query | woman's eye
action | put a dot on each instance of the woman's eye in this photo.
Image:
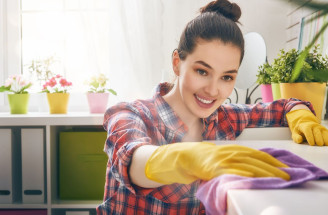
(227, 78)
(201, 72)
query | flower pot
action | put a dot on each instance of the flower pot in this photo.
(18, 103)
(276, 91)
(97, 102)
(58, 102)
(313, 92)
(266, 92)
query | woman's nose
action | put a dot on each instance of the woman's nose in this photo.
(212, 88)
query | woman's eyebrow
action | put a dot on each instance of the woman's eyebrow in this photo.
(204, 64)
(208, 66)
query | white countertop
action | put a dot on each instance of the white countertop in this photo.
(309, 198)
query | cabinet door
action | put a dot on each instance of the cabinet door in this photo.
(5, 166)
(33, 177)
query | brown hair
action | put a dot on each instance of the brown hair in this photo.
(218, 20)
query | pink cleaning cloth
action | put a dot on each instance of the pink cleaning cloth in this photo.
(213, 193)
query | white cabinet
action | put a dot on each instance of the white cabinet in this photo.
(5, 166)
(29, 161)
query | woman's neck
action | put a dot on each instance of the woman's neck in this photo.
(173, 98)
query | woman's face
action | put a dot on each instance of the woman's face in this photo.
(207, 76)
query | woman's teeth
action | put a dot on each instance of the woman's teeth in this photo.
(204, 100)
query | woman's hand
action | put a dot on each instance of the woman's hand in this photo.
(188, 161)
(304, 125)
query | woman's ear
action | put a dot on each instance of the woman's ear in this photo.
(176, 62)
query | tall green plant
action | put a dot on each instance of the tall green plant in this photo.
(316, 6)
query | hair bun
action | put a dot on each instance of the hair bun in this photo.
(229, 10)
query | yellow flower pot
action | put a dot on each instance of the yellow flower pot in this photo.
(18, 103)
(313, 92)
(58, 102)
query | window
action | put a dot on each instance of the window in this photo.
(68, 37)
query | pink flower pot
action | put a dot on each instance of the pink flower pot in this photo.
(97, 102)
(266, 92)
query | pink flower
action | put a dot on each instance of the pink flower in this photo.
(52, 82)
(8, 82)
(57, 84)
(63, 82)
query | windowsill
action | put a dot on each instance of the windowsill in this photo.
(45, 118)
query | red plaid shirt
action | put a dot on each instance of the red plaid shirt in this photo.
(145, 122)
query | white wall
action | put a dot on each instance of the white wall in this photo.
(267, 17)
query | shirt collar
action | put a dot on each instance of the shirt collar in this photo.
(166, 113)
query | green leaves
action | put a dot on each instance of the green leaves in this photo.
(264, 74)
(323, 8)
(112, 91)
(293, 66)
(4, 89)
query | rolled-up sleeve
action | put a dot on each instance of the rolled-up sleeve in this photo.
(261, 114)
(126, 132)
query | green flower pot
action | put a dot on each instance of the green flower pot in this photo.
(18, 103)
(276, 91)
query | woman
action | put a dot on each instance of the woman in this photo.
(156, 156)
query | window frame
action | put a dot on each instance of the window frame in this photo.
(10, 43)
(11, 59)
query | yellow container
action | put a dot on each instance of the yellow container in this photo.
(313, 92)
(58, 102)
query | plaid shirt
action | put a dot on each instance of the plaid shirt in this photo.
(145, 122)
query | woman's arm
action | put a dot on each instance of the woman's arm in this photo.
(137, 167)
(300, 106)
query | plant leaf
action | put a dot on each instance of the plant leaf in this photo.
(299, 63)
(3, 88)
(112, 91)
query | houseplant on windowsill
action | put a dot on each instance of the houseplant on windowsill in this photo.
(98, 93)
(264, 79)
(18, 98)
(57, 88)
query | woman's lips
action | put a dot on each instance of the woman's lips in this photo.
(204, 103)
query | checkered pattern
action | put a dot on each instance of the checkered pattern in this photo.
(145, 122)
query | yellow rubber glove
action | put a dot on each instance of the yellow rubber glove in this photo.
(188, 161)
(304, 125)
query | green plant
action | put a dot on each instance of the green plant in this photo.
(41, 68)
(313, 69)
(323, 8)
(283, 66)
(16, 84)
(99, 84)
(56, 84)
(264, 74)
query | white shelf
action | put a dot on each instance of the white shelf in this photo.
(43, 119)
(52, 125)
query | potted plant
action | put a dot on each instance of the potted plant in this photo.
(41, 68)
(18, 98)
(98, 93)
(57, 93)
(308, 83)
(264, 79)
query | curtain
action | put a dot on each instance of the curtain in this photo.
(143, 35)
